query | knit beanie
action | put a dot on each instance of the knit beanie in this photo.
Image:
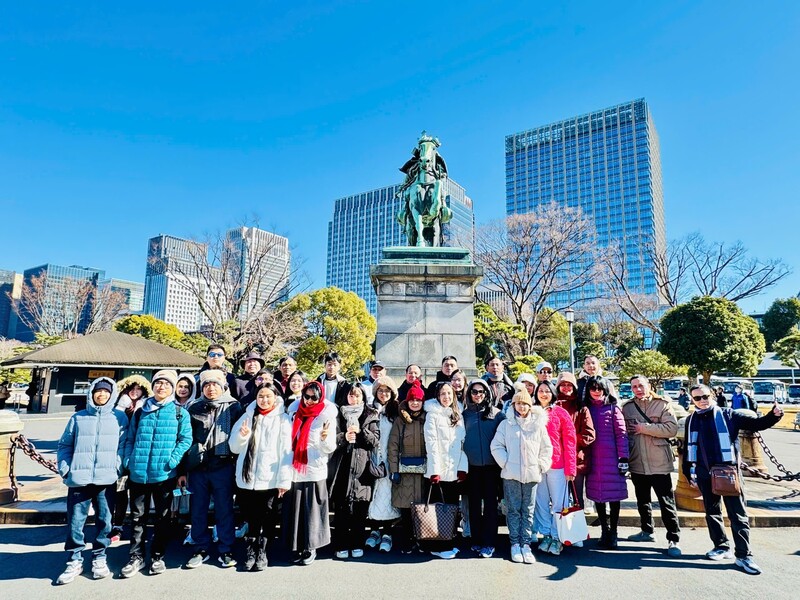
(103, 385)
(415, 392)
(213, 376)
(167, 375)
(522, 394)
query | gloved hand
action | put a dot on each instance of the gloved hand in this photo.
(622, 465)
(462, 476)
(435, 479)
(395, 478)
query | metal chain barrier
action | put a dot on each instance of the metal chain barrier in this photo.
(788, 475)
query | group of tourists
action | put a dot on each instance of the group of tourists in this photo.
(287, 450)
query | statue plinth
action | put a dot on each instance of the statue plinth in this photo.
(425, 309)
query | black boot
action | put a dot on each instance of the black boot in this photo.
(613, 543)
(261, 559)
(252, 550)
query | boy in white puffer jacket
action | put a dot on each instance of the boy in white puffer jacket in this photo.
(523, 450)
(262, 438)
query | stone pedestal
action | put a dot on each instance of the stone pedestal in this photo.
(752, 454)
(686, 496)
(10, 426)
(425, 309)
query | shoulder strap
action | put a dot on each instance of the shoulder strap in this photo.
(641, 412)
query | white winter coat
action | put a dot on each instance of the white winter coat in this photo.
(319, 450)
(380, 507)
(272, 453)
(523, 454)
(444, 444)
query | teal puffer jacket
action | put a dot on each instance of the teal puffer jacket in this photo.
(90, 449)
(158, 437)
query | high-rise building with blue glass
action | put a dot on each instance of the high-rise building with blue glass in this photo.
(363, 224)
(607, 164)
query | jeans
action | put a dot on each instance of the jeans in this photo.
(552, 489)
(140, 508)
(735, 507)
(220, 484)
(520, 503)
(662, 484)
(482, 494)
(101, 497)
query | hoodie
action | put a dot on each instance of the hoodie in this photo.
(90, 450)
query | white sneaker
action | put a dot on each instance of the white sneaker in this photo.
(343, 554)
(100, 568)
(516, 554)
(373, 540)
(357, 553)
(74, 568)
(748, 565)
(386, 543)
(446, 554)
(527, 555)
(719, 554)
(674, 550)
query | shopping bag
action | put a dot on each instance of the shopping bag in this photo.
(571, 521)
(437, 521)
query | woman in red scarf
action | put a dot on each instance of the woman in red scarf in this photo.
(306, 504)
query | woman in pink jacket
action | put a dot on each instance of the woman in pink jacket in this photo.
(552, 493)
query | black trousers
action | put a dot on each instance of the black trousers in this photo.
(608, 519)
(349, 520)
(735, 507)
(261, 510)
(140, 508)
(662, 485)
(482, 485)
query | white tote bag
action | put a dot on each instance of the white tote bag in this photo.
(571, 521)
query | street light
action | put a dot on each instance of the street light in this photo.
(569, 315)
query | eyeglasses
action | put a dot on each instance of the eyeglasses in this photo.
(162, 382)
(698, 398)
(476, 392)
(384, 391)
(216, 354)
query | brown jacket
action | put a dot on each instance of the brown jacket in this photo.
(410, 435)
(650, 452)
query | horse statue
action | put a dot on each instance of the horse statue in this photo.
(424, 209)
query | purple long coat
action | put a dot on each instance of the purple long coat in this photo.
(603, 482)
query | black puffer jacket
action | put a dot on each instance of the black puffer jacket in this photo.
(349, 477)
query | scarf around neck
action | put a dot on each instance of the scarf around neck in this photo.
(301, 427)
(723, 435)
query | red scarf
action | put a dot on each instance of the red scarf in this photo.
(264, 411)
(301, 427)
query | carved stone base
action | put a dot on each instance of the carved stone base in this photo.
(425, 309)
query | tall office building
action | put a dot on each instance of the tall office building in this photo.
(10, 290)
(168, 280)
(266, 252)
(608, 164)
(60, 302)
(133, 292)
(171, 275)
(364, 224)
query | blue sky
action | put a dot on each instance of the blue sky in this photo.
(121, 122)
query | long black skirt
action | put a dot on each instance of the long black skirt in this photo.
(306, 519)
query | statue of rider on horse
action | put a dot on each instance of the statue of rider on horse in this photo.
(424, 209)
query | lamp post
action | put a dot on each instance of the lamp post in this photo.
(569, 315)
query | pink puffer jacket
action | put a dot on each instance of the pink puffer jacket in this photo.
(562, 435)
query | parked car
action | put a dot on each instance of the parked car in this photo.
(625, 391)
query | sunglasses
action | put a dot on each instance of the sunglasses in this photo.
(307, 397)
(216, 354)
(546, 371)
(703, 397)
(478, 392)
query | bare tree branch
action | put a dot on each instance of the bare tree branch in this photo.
(533, 257)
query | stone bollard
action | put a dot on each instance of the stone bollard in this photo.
(686, 496)
(750, 449)
(10, 425)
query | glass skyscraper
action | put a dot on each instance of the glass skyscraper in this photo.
(364, 224)
(608, 164)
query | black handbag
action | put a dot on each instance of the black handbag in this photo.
(377, 471)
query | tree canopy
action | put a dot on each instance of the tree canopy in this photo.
(712, 334)
(652, 364)
(780, 318)
(339, 321)
(788, 348)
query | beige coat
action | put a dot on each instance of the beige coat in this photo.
(650, 452)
